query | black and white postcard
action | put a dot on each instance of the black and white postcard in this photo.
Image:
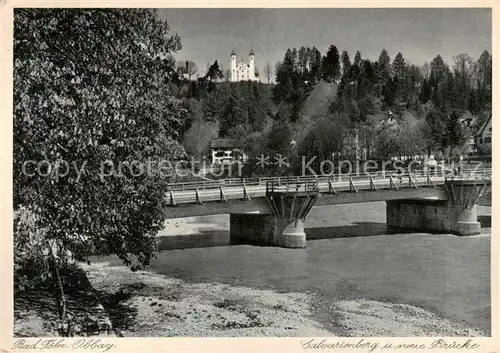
(322, 174)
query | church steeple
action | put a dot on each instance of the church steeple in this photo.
(251, 52)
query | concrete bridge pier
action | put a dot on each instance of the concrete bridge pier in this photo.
(266, 229)
(458, 215)
(285, 226)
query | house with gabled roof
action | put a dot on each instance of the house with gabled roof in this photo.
(484, 136)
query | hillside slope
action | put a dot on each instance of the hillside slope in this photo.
(319, 99)
(316, 105)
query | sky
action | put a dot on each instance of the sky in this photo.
(419, 34)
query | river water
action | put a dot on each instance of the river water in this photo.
(349, 254)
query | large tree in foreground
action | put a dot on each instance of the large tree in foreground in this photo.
(94, 119)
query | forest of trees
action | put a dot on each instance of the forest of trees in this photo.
(423, 103)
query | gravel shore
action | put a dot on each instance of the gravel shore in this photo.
(157, 306)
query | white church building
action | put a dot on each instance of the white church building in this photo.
(242, 71)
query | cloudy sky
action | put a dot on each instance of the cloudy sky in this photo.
(419, 34)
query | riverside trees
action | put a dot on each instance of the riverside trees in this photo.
(90, 91)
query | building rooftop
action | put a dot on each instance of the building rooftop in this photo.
(483, 127)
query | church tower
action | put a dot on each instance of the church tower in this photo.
(251, 73)
(233, 67)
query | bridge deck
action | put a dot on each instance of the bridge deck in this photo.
(248, 195)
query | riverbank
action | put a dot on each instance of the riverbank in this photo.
(146, 304)
(160, 306)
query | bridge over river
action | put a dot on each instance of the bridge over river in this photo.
(272, 209)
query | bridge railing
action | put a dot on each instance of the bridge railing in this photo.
(262, 181)
(472, 174)
(222, 190)
(206, 184)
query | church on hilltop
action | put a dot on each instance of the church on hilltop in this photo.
(243, 71)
